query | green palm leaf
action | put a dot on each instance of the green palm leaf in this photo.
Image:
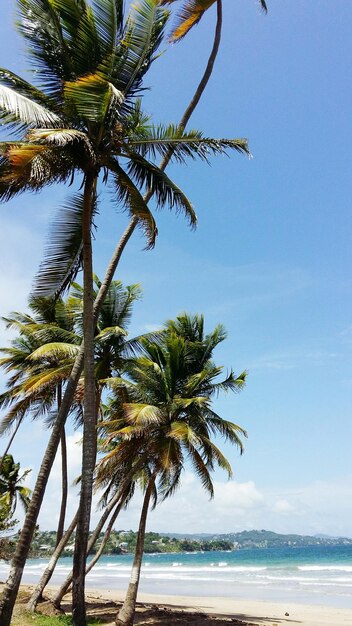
(39, 22)
(63, 253)
(165, 190)
(130, 196)
(162, 140)
(109, 22)
(142, 36)
(57, 350)
(142, 414)
(93, 97)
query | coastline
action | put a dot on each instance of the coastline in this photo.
(200, 611)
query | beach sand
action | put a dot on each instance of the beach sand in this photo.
(156, 610)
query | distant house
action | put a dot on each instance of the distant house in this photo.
(45, 548)
(70, 548)
(123, 544)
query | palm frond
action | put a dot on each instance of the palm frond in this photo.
(219, 457)
(57, 350)
(109, 22)
(63, 253)
(191, 13)
(132, 199)
(166, 192)
(29, 167)
(142, 36)
(231, 383)
(86, 47)
(24, 109)
(201, 469)
(93, 97)
(24, 88)
(183, 432)
(141, 415)
(39, 22)
(162, 140)
(226, 429)
(62, 137)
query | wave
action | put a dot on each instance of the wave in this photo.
(185, 568)
(327, 568)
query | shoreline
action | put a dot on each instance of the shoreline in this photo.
(200, 611)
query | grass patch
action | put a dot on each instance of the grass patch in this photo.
(52, 620)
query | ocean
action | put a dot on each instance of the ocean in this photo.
(310, 575)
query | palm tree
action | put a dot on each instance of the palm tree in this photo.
(168, 418)
(37, 379)
(85, 120)
(11, 489)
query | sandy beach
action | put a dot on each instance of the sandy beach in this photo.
(200, 611)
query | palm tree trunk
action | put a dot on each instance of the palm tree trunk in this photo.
(208, 70)
(113, 502)
(11, 587)
(90, 415)
(106, 536)
(104, 541)
(64, 478)
(126, 614)
(49, 570)
(61, 524)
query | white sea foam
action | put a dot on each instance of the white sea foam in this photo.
(327, 568)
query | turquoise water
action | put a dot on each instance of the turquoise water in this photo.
(314, 575)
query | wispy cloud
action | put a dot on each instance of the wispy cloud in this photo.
(293, 359)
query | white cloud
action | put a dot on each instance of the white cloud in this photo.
(320, 507)
(283, 507)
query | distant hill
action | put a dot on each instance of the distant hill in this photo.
(124, 541)
(265, 539)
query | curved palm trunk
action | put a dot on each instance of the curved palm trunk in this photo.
(90, 415)
(208, 70)
(49, 570)
(126, 614)
(11, 587)
(113, 502)
(61, 523)
(105, 539)
(64, 478)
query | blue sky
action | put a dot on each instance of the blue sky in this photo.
(270, 259)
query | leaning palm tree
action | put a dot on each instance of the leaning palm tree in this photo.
(167, 418)
(85, 121)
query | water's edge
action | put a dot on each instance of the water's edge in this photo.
(310, 575)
